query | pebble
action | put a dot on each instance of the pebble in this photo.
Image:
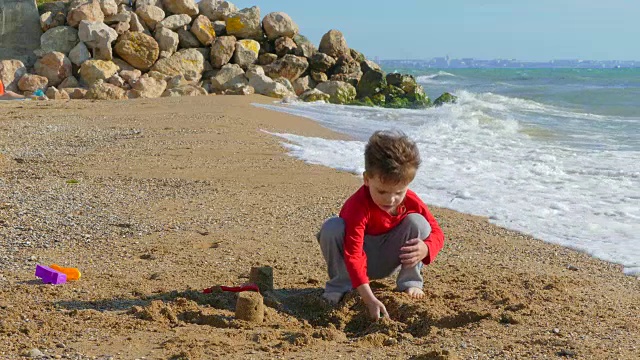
(556, 331)
(572, 267)
(34, 353)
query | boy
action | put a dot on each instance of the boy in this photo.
(382, 227)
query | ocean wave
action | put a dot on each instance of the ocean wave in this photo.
(429, 78)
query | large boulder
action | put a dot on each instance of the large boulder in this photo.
(98, 36)
(76, 93)
(334, 44)
(371, 83)
(49, 20)
(108, 7)
(10, 73)
(123, 17)
(368, 65)
(61, 39)
(318, 76)
(79, 54)
(89, 11)
(222, 50)
(147, 87)
(314, 95)
(285, 45)
(167, 41)
(93, 70)
(246, 53)
(70, 82)
(245, 24)
(138, 49)
(55, 94)
(406, 82)
(175, 22)
(216, 10)
(229, 77)
(187, 39)
(321, 62)
(203, 30)
(151, 15)
(55, 67)
(137, 25)
(303, 84)
(141, 3)
(340, 92)
(31, 82)
(290, 67)
(445, 98)
(267, 58)
(266, 86)
(19, 30)
(105, 91)
(304, 46)
(278, 24)
(187, 7)
(189, 63)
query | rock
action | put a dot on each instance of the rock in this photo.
(122, 65)
(254, 70)
(356, 55)
(55, 94)
(263, 277)
(139, 50)
(76, 93)
(103, 91)
(284, 46)
(19, 30)
(54, 7)
(304, 47)
(334, 44)
(216, 10)
(230, 76)
(287, 84)
(250, 307)
(175, 22)
(98, 37)
(117, 81)
(241, 90)
(186, 90)
(321, 62)
(267, 58)
(79, 54)
(142, 3)
(314, 95)
(318, 76)
(34, 353)
(189, 63)
(572, 267)
(245, 24)
(89, 11)
(131, 76)
(203, 30)
(445, 98)
(50, 20)
(187, 39)
(108, 7)
(303, 84)
(371, 83)
(266, 86)
(187, 7)
(61, 39)
(278, 24)
(136, 25)
(121, 28)
(123, 17)
(147, 87)
(10, 73)
(246, 52)
(70, 82)
(290, 67)
(93, 70)
(220, 27)
(222, 50)
(151, 15)
(30, 82)
(340, 92)
(347, 70)
(167, 41)
(405, 82)
(368, 65)
(55, 67)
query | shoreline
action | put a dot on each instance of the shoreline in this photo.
(183, 194)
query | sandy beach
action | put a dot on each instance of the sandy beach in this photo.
(156, 200)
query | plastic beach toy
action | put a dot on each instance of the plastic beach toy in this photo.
(72, 273)
(246, 287)
(50, 276)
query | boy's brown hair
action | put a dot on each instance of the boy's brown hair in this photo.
(391, 156)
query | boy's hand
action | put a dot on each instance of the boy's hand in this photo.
(376, 307)
(413, 252)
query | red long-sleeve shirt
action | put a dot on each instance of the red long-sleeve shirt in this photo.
(363, 217)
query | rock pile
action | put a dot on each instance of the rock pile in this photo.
(119, 49)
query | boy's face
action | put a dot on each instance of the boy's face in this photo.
(386, 195)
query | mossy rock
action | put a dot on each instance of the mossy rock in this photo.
(445, 98)
(357, 55)
(366, 101)
(379, 99)
(371, 83)
(406, 82)
(418, 100)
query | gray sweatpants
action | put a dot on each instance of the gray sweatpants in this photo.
(383, 253)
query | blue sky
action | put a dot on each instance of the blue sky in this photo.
(520, 29)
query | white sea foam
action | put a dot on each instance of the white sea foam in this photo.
(477, 160)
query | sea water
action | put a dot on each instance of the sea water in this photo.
(554, 153)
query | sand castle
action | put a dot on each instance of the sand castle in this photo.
(117, 49)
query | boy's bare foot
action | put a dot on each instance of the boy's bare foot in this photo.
(332, 297)
(415, 292)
